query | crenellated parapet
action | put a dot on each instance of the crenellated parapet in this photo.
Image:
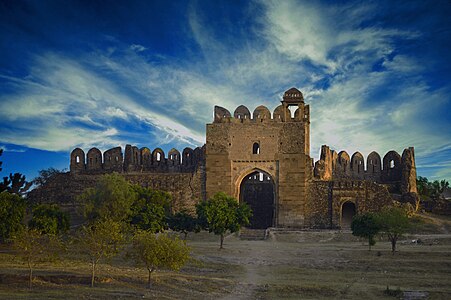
(392, 169)
(136, 160)
(292, 97)
(261, 114)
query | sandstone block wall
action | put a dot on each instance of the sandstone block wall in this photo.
(326, 199)
(399, 173)
(277, 145)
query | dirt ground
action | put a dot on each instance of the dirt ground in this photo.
(288, 265)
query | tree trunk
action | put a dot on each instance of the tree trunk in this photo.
(393, 245)
(222, 241)
(93, 265)
(149, 280)
(30, 274)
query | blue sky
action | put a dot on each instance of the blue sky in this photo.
(108, 73)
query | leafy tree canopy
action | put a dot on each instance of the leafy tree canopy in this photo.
(366, 226)
(431, 189)
(49, 219)
(159, 252)
(12, 212)
(15, 184)
(102, 239)
(223, 213)
(151, 209)
(35, 247)
(111, 199)
(45, 176)
(184, 222)
(394, 222)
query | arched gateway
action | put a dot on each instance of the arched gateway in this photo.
(257, 190)
(348, 211)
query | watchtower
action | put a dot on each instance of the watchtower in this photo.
(262, 159)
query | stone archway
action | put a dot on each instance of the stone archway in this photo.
(348, 211)
(258, 190)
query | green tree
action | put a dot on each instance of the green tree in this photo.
(45, 176)
(159, 251)
(431, 189)
(366, 226)
(12, 212)
(49, 219)
(151, 209)
(183, 222)
(35, 247)
(223, 213)
(99, 240)
(15, 184)
(394, 222)
(111, 199)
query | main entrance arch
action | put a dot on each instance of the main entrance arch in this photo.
(257, 190)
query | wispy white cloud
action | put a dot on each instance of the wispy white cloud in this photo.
(8, 149)
(60, 91)
(137, 47)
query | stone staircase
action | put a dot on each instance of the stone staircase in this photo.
(253, 234)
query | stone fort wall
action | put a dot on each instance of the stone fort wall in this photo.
(307, 194)
(182, 175)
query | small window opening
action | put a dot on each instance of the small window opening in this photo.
(117, 158)
(158, 156)
(392, 164)
(256, 148)
(261, 177)
(77, 159)
(239, 116)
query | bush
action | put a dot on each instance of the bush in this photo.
(12, 212)
(49, 219)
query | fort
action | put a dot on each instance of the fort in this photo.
(262, 159)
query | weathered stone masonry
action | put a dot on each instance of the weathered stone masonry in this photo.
(276, 147)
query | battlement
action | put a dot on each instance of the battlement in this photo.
(136, 160)
(392, 169)
(262, 114)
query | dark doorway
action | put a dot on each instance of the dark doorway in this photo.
(257, 190)
(347, 213)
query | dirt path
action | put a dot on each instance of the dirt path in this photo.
(253, 277)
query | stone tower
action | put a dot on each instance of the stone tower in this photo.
(263, 160)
